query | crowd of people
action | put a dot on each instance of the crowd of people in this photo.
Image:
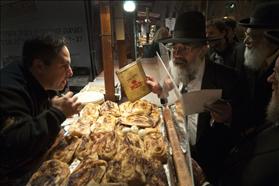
(234, 143)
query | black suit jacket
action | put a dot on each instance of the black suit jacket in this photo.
(218, 76)
(255, 162)
(232, 56)
(214, 142)
(260, 97)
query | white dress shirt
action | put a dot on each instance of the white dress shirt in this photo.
(194, 85)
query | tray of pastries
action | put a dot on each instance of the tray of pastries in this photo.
(110, 144)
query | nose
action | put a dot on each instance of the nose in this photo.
(70, 72)
(176, 56)
(247, 41)
(271, 78)
(175, 53)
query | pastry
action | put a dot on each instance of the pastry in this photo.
(51, 173)
(65, 149)
(87, 171)
(110, 108)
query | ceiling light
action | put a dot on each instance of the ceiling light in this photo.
(129, 6)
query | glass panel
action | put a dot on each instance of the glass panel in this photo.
(171, 97)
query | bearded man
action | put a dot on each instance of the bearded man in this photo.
(273, 106)
(191, 71)
(260, 54)
(255, 161)
(257, 49)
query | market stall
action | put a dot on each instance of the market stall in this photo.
(125, 143)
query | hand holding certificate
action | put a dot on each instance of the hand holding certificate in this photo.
(195, 102)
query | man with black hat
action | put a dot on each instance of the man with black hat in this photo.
(260, 55)
(189, 67)
(255, 161)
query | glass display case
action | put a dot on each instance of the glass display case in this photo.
(175, 122)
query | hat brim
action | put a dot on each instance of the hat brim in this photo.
(183, 40)
(246, 23)
(273, 36)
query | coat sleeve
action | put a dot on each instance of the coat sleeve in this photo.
(24, 134)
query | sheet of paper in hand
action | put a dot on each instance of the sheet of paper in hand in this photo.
(194, 102)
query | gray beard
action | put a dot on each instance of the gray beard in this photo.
(273, 108)
(184, 72)
(255, 57)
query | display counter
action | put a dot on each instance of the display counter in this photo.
(125, 143)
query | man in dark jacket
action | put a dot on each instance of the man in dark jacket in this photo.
(255, 161)
(189, 68)
(259, 59)
(29, 119)
(222, 50)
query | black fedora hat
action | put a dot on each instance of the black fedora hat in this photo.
(273, 36)
(189, 28)
(265, 16)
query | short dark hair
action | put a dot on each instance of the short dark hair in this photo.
(45, 47)
(218, 23)
(230, 22)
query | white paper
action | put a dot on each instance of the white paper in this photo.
(193, 102)
(170, 22)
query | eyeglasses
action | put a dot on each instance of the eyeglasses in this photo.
(183, 48)
(254, 35)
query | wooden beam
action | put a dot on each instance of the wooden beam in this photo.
(122, 54)
(107, 52)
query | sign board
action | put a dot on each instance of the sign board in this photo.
(21, 20)
(170, 22)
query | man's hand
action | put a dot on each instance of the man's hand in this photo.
(67, 104)
(168, 84)
(221, 111)
(154, 85)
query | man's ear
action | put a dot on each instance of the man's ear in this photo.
(38, 65)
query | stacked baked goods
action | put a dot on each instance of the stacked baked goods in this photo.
(109, 144)
(52, 172)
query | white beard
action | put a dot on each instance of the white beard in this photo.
(186, 72)
(273, 108)
(255, 57)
